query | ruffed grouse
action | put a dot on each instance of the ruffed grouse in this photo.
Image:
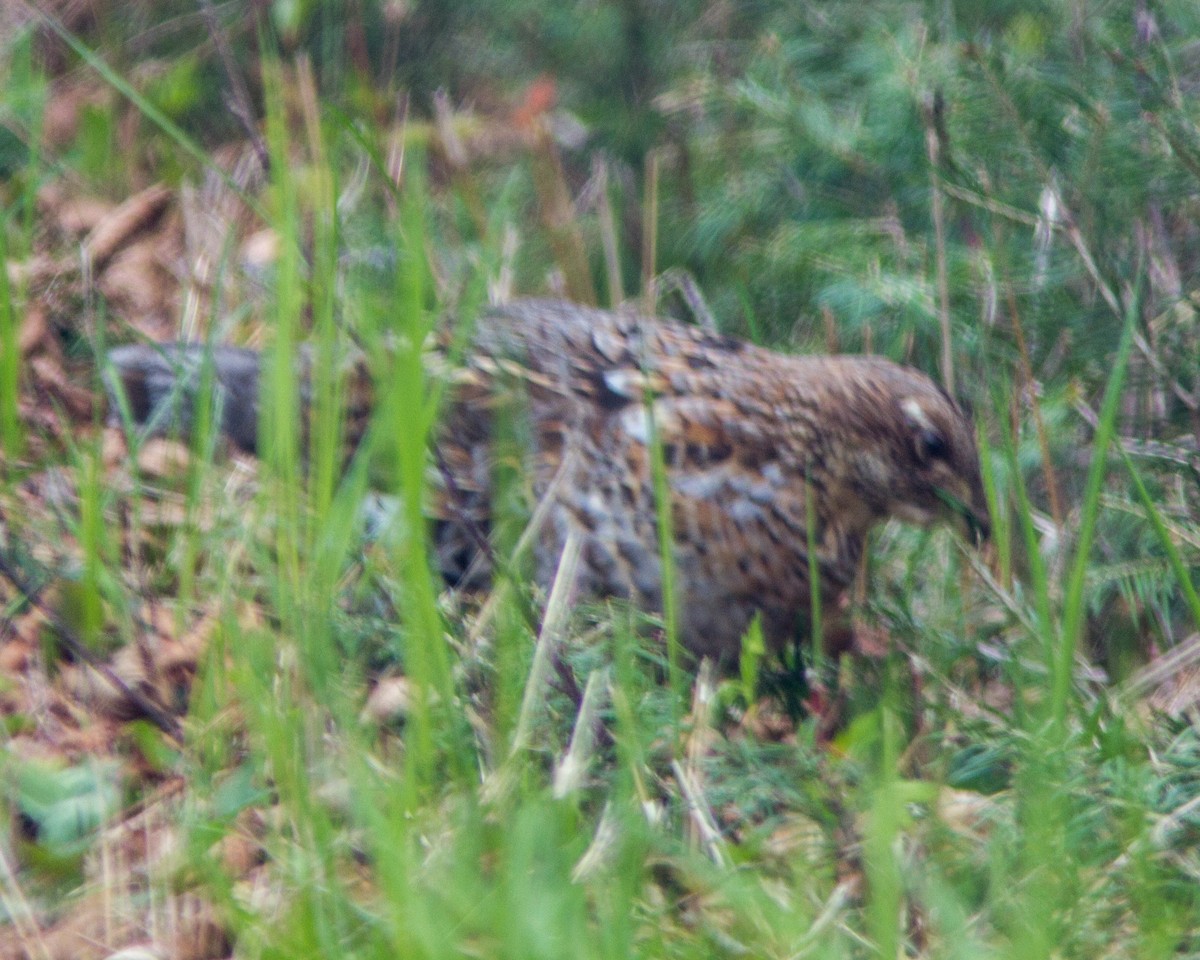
(746, 436)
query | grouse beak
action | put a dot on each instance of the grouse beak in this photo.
(973, 522)
(979, 527)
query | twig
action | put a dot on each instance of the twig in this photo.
(152, 711)
(238, 100)
(933, 147)
(566, 683)
(682, 282)
(700, 815)
(841, 897)
(991, 205)
(1172, 664)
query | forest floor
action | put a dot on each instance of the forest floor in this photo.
(214, 744)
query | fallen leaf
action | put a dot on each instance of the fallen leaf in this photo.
(137, 213)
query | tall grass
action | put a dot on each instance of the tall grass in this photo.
(469, 848)
(12, 437)
(443, 830)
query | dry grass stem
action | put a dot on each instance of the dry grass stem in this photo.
(558, 606)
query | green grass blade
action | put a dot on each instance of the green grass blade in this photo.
(1178, 567)
(1033, 551)
(666, 558)
(1073, 604)
(12, 438)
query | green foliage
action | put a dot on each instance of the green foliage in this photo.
(987, 795)
(63, 809)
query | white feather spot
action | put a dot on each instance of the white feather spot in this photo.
(635, 421)
(698, 486)
(625, 383)
(915, 413)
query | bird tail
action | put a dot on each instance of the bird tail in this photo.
(157, 387)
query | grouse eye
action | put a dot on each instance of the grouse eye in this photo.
(933, 445)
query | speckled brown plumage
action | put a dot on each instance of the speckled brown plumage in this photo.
(747, 435)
